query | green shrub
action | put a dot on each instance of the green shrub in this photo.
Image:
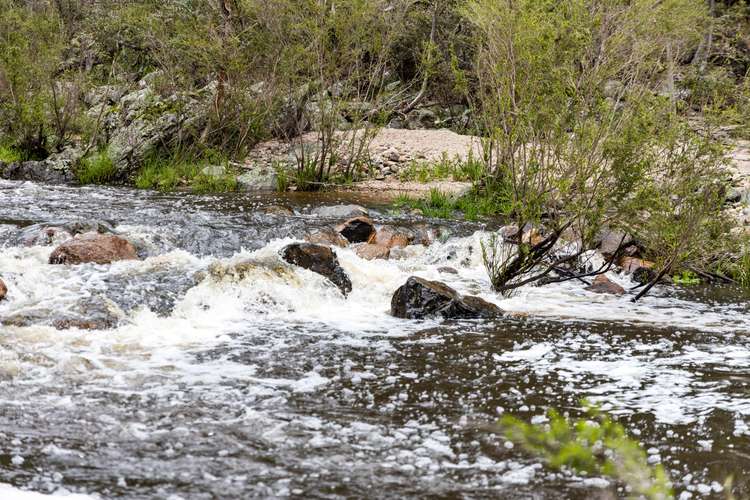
(96, 169)
(593, 446)
(10, 155)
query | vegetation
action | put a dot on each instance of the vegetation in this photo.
(592, 446)
(96, 169)
(186, 172)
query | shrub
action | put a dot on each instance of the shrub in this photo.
(96, 169)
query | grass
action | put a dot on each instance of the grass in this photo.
(472, 170)
(686, 278)
(488, 201)
(10, 155)
(96, 169)
(169, 174)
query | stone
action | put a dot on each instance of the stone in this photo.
(47, 172)
(258, 180)
(278, 210)
(357, 230)
(611, 240)
(602, 284)
(447, 270)
(3, 289)
(326, 236)
(370, 251)
(340, 211)
(419, 298)
(642, 271)
(93, 247)
(318, 259)
(394, 237)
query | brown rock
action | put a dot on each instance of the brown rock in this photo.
(318, 259)
(602, 284)
(93, 247)
(371, 251)
(3, 290)
(447, 270)
(394, 237)
(357, 230)
(278, 210)
(326, 236)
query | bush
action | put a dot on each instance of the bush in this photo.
(97, 169)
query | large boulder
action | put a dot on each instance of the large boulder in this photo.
(340, 211)
(258, 179)
(55, 233)
(93, 247)
(420, 298)
(602, 284)
(3, 290)
(318, 259)
(357, 230)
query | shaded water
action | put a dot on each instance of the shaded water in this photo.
(215, 385)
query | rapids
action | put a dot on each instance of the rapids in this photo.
(269, 383)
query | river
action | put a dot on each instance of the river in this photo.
(272, 384)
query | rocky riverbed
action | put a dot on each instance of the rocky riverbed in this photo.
(216, 363)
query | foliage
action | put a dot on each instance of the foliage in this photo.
(455, 169)
(595, 445)
(686, 278)
(10, 155)
(569, 96)
(96, 169)
(184, 172)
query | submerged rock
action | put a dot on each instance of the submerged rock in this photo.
(602, 284)
(357, 230)
(3, 290)
(447, 270)
(340, 211)
(326, 236)
(93, 247)
(318, 259)
(420, 298)
(278, 210)
(370, 251)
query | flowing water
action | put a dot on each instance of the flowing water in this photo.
(217, 383)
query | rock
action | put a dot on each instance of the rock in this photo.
(447, 270)
(93, 247)
(394, 237)
(611, 240)
(318, 259)
(47, 171)
(3, 290)
(420, 298)
(57, 233)
(642, 271)
(602, 284)
(357, 230)
(340, 211)
(326, 236)
(258, 180)
(278, 210)
(214, 171)
(370, 251)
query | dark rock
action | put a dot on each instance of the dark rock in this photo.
(93, 247)
(642, 271)
(420, 298)
(318, 259)
(3, 290)
(340, 211)
(48, 172)
(326, 236)
(370, 251)
(602, 284)
(357, 230)
(447, 270)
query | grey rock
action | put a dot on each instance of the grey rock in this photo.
(214, 171)
(318, 259)
(419, 298)
(340, 211)
(257, 180)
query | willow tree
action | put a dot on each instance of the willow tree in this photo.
(574, 122)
